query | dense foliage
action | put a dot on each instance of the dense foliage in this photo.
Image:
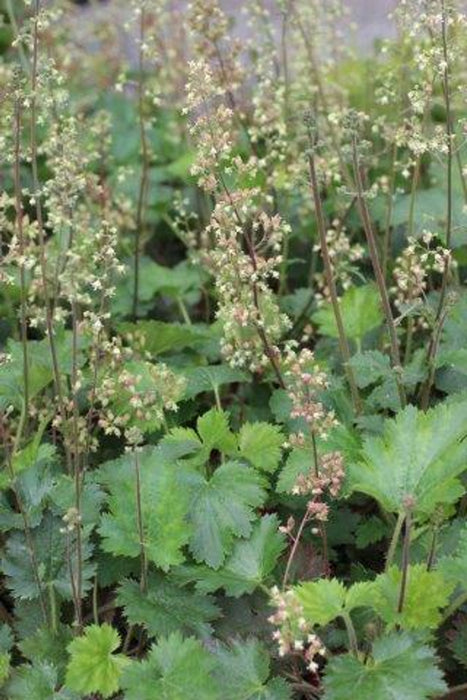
(233, 369)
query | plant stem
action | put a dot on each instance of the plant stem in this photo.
(455, 605)
(405, 561)
(432, 553)
(40, 224)
(144, 180)
(394, 540)
(139, 515)
(351, 634)
(294, 547)
(388, 226)
(447, 102)
(22, 271)
(343, 344)
(380, 281)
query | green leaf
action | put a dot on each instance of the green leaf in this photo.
(51, 552)
(93, 667)
(458, 640)
(4, 666)
(48, 646)
(249, 565)
(400, 668)
(214, 431)
(453, 346)
(164, 508)
(37, 682)
(175, 669)
(369, 531)
(260, 444)
(326, 599)
(165, 607)
(360, 309)
(454, 567)
(299, 462)
(211, 378)
(418, 457)
(426, 593)
(161, 337)
(243, 672)
(322, 600)
(222, 508)
(369, 367)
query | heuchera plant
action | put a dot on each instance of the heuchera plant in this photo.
(233, 369)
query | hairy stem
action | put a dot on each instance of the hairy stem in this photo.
(380, 281)
(144, 179)
(343, 344)
(405, 561)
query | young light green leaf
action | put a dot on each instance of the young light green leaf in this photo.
(222, 508)
(400, 667)
(214, 431)
(164, 508)
(426, 593)
(260, 443)
(93, 667)
(418, 457)
(326, 599)
(175, 669)
(360, 309)
(165, 607)
(322, 600)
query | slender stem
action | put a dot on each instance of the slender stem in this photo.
(40, 221)
(22, 271)
(388, 226)
(95, 605)
(455, 605)
(447, 101)
(380, 281)
(343, 344)
(434, 346)
(432, 553)
(351, 634)
(144, 180)
(53, 607)
(184, 311)
(139, 515)
(405, 561)
(293, 551)
(394, 540)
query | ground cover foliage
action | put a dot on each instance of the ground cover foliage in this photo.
(233, 406)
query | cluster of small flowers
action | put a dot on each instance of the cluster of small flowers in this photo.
(242, 243)
(343, 255)
(133, 393)
(212, 129)
(305, 381)
(211, 39)
(247, 307)
(413, 267)
(294, 634)
(329, 476)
